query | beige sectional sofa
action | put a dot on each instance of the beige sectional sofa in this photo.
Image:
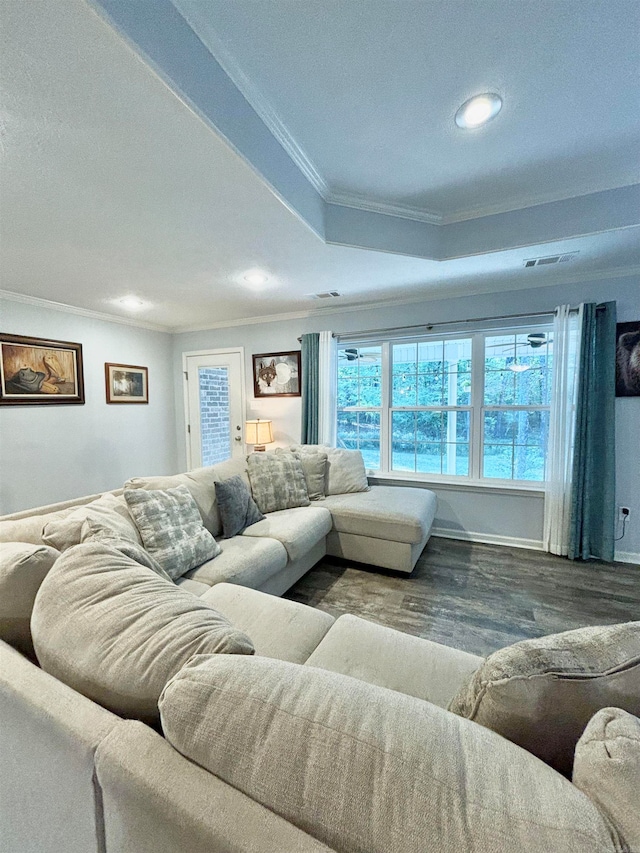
(334, 735)
(386, 526)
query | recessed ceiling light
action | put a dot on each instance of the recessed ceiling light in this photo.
(132, 303)
(256, 278)
(478, 110)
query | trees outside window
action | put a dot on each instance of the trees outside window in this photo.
(449, 407)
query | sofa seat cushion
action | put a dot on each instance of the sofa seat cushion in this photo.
(541, 693)
(116, 631)
(23, 567)
(246, 561)
(607, 769)
(298, 529)
(362, 768)
(392, 659)
(194, 587)
(278, 628)
(384, 512)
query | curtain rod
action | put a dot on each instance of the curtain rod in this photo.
(428, 326)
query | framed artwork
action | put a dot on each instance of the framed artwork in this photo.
(628, 359)
(277, 374)
(36, 372)
(126, 383)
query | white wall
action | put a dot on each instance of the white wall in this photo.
(54, 453)
(488, 515)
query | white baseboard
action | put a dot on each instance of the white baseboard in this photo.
(486, 538)
(513, 542)
(627, 557)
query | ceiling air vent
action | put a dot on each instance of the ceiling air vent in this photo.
(550, 259)
(328, 294)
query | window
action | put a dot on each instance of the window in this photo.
(473, 406)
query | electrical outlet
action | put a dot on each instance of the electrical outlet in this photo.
(624, 512)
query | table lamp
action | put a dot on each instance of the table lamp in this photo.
(258, 433)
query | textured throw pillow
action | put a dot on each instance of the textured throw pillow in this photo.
(314, 468)
(64, 532)
(345, 468)
(116, 632)
(171, 528)
(277, 481)
(93, 530)
(541, 693)
(201, 484)
(23, 567)
(607, 769)
(236, 506)
(363, 768)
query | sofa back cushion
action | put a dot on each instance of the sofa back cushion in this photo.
(117, 632)
(277, 481)
(314, 468)
(201, 484)
(541, 693)
(23, 567)
(345, 472)
(111, 510)
(171, 528)
(363, 768)
(607, 769)
(30, 528)
(94, 531)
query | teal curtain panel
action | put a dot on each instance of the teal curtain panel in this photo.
(310, 385)
(593, 492)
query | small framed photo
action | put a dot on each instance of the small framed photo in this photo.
(126, 383)
(277, 374)
(628, 359)
(37, 371)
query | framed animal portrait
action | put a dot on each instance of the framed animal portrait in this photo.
(628, 359)
(277, 374)
(126, 383)
(36, 372)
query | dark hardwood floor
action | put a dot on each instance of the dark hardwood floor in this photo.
(477, 597)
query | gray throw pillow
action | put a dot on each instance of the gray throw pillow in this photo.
(277, 481)
(542, 693)
(314, 468)
(171, 528)
(237, 508)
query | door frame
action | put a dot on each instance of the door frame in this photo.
(185, 390)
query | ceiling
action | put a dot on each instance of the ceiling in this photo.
(314, 141)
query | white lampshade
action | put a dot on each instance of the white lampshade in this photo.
(258, 433)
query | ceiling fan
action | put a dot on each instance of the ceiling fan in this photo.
(354, 354)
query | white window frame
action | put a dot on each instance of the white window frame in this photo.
(476, 409)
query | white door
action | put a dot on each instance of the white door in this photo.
(214, 406)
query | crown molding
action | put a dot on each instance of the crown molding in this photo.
(81, 312)
(431, 295)
(402, 211)
(527, 202)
